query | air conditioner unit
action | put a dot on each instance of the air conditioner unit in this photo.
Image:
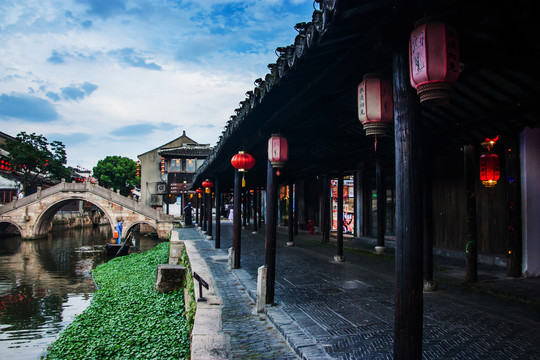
(161, 188)
(155, 200)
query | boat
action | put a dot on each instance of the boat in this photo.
(117, 249)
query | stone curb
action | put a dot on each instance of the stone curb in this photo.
(208, 342)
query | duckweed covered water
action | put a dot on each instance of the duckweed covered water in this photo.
(127, 318)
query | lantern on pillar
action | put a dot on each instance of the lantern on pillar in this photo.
(376, 106)
(243, 162)
(207, 185)
(489, 164)
(433, 61)
(278, 151)
(489, 169)
(199, 192)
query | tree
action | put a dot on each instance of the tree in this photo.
(35, 159)
(118, 173)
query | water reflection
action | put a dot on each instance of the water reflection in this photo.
(45, 283)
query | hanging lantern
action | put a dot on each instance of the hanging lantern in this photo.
(278, 151)
(199, 192)
(489, 169)
(433, 62)
(376, 106)
(138, 168)
(243, 162)
(207, 185)
(163, 165)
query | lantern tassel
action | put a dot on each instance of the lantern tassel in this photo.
(375, 143)
(243, 180)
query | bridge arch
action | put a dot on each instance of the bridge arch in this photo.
(6, 223)
(33, 214)
(44, 220)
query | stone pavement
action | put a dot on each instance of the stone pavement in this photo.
(249, 335)
(330, 310)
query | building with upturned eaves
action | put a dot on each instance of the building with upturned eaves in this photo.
(167, 173)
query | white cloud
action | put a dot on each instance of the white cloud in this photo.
(186, 64)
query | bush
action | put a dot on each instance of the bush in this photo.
(127, 318)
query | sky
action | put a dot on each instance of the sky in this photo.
(123, 77)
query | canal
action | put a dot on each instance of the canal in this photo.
(45, 283)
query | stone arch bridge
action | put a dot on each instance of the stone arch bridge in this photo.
(33, 214)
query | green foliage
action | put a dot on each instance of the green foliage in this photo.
(117, 172)
(190, 290)
(33, 157)
(127, 318)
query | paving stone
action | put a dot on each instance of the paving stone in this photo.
(327, 310)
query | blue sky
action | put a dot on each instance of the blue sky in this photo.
(121, 77)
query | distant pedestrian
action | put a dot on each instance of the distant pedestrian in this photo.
(188, 215)
(21, 195)
(231, 212)
(119, 231)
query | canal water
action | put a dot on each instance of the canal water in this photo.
(45, 283)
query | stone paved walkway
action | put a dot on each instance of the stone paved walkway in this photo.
(329, 310)
(251, 335)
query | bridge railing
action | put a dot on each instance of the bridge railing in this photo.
(94, 189)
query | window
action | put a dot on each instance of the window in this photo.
(7, 195)
(175, 165)
(191, 165)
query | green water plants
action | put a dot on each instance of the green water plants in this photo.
(127, 318)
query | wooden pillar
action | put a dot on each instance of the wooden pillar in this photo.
(357, 203)
(427, 185)
(197, 209)
(260, 207)
(471, 247)
(408, 308)
(513, 212)
(244, 208)
(365, 203)
(255, 210)
(295, 210)
(271, 223)
(248, 206)
(290, 225)
(326, 209)
(217, 239)
(204, 212)
(381, 203)
(209, 215)
(339, 242)
(237, 232)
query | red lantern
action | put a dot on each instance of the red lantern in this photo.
(433, 61)
(207, 185)
(278, 151)
(375, 105)
(489, 169)
(163, 165)
(199, 192)
(243, 161)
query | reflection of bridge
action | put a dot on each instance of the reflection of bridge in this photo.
(33, 214)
